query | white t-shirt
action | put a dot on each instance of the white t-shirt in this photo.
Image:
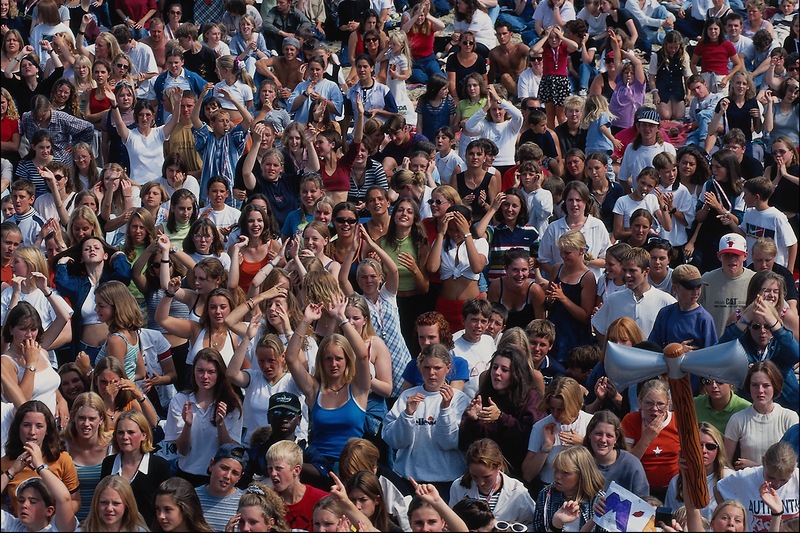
(682, 201)
(593, 230)
(449, 269)
(477, 355)
(743, 486)
(146, 154)
(626, 205)
(537, 439)
(624, 303)
(229, 216)
(756, 432)
(241, 92)
(770, 223)
(634, 160)
(481, 26)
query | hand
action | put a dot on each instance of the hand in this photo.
(187, 414)
(723, 104)
(253, 327)
(206, 89)
(174, 284)
(549, 436)
(41, 281)
(770, 497)
(219, 415)
(688, 251)
(338, 492)
(497, 201)
(407, 261)
(569, 438)
(426, 492)
(447, 395)
(224, 94)
(86, 20)
(26, 50)
(313, 312)
(473, 411)
(599, 506)
(241, 243)
(490, 413)
(21, 463)
(151, 381)
(31, 351)
(755, 113)
(653, 429)
(569, 512)
(442, 223)
(46, 45)
(233, 522)
(710, 199)
(337, 306)
(741, 464)
(35, 454)
(462, 224)
(412, 403)
(555, 292)
(601, 388)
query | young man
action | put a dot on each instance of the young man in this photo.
(182, 142)
(508, 59)
(10, 240)
(197, 56)
(497, 321)
(174, 75)
(761, 220)
(143, 61)
(685, 321)
(736, 142)
(472, 344)
(727, 286)
(23, 194)
(285, 70)
(660, 275)
(284, 463)
(542, 337)
(734, 23)
(220, 498)
(639, 300)
(701, 109)
(539, 200)
(402, 142)
(283, 20)
(157, 42)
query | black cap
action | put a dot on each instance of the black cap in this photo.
(232, 450)
(284, 400)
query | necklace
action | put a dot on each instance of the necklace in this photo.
(337, 391)
(213, 342)
(556, 53)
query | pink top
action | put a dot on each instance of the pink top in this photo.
(555, 60)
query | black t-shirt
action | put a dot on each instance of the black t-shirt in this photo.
(399, 152)
(751, 167)
(739, 117)
(203, 63)
(576, 56)
(623, 16)
(348, 11)
(569, 141)
(453, 65)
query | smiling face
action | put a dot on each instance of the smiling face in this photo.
(730, 518)
(71, 385)
(314, 241)
(603, 439)
(369, 280)
(404, 214)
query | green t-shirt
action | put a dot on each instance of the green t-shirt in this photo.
(706, 413)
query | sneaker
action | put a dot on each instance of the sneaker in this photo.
(583, 92)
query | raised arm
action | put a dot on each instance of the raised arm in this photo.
(181, 327)
(257, 131)
(389, 266)
(362, 381)
(64, 517)
(116, 116)
(174, 95)
(247, 118)
(61, 308)
(485, 222)
(305, 381)
(234, 370)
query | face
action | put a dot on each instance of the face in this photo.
(733, 28)
(255, 224)
(439, 205)
(475, 325)
(334, 361)
(217, 194)
(72, 385)
(225, 474)
(184, 210)
(281, 474)
(653, 405)
(144, 118)
(434, 371)
(62, 94)
(633, 275)
(345, 222)
(92, 252)
(576, 206)
(709, 455)
(475, 157)
(137, 231)
(732, 264)
(363, 503)
(404, 215)
(603, 438)
(315, 72)
(128, 435)
(570, 255)
(168, 514)
(218, 308)
(613, 267)
(157, 32)
(640, 227)
(659, 260)
(174, 65)
(314, 241)
(100, 74)
(399, 137)
(323, 213)
(252, 519)
(33, 428)
(222, 124)
(44, 150)
(427, 518)
(12, 44)
(32, 510)
(713, 32)
(648, 132)
(501, 373)
(87, 421)
(112, 509)
(271, 169)
(510, 208)
(730, 518)
(687, 297)
(540, 347)
(566, 482)
(325, 521)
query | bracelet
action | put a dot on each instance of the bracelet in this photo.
(49, 294)
(81, 32)
(467, 235)
(9, 475)
(344, 322)
(41, 467)
(250, 303)
(554, 528)
(745, 322)
(142, 399)
(169, 294)
(115, 106)
(772, 513)
(777, 321)
(165, 261)
(673, 210)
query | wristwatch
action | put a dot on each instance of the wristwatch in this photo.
(32, 368)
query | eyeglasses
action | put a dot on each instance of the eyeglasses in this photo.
(780, 152)
(536, 58)
(144, 115)
(435, 201)
(342, 220)
(123, 66)
(531, 108)
(793, 68)
(468, 43)
(202, 237)
(371, 40)
(710, 446)
(282, 413)
(654, 405)
(707, 381)
(155, 265)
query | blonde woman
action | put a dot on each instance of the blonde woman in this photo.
(114, 492)
(87, 437)
(118, 309)
(9, 118)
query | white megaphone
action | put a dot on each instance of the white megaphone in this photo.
(626, 366)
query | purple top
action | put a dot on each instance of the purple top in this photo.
(625, 101)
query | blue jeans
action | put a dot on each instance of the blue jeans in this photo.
(494, 12)
(140, 34)
(424, 68)
(441, 7)
(699, 135)
(587, 72)
(656, 35)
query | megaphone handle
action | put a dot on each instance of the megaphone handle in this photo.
(694, 486)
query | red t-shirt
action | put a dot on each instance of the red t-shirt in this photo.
(660, 460)
(420, 44)
(555, 60)
(340, 179)
(715, 56)
(8, 127)
(299, 516)
(6, 274)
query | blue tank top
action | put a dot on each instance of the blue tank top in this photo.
(332, 428)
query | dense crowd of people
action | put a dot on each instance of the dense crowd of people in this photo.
(247, 289)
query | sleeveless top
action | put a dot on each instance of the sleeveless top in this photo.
(607, 91)
(45, 384)
(518, 317)
(248, 270)
(131, 354)
(464, 190)
(89, 476)
(332, 428)
(176, 309)
(569, 332)
(96, 105)
(226, 350)
(117, 151)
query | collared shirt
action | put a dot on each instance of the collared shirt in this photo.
(65, 130)
(144, 466)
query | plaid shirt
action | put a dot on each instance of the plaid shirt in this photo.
(65, 130)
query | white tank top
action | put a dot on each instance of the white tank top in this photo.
(226, 350)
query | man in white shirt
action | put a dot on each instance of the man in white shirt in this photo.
(142, 58)
(639, 301)
(472, 344)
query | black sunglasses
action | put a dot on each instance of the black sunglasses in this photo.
(435, 201)
(123, 65)
(342, 220)
(710, 446)
(536, 58)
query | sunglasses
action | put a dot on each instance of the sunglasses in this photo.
(710, 446)
(706, 381)
(371, 40)
(758, 327)
(435, 201)
(470, 43)
(283, 413)
(59, 177)
(536, 58)
(342, 220)
(531, 108)
(155, 265)
(176, 12)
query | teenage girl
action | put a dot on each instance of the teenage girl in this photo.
(236, 82)
(182, 214)
(311, 190)
(716, 52)
(398, 57)
(435, 108)
(668, 74)
(612, 280)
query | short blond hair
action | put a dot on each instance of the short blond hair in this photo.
(285, 450)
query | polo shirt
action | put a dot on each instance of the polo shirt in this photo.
(718, 419)
(624, 303)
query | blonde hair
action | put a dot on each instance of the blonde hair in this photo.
(320, 286)
(132, 519)
(357, 454)
(138, 418)
(82, 60)
(398, 36)
(126, 315)
(91, 400)
(568, 391)
(654, 385)
(285, 450)
(730, 503)
(271, 505)
(593, 109)
(83, 212)
(349, 356)
(12, 112)
(578, 459)
(229, 62)
(574, 240)
(35, 260)
(113, 45)
(357, 301)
